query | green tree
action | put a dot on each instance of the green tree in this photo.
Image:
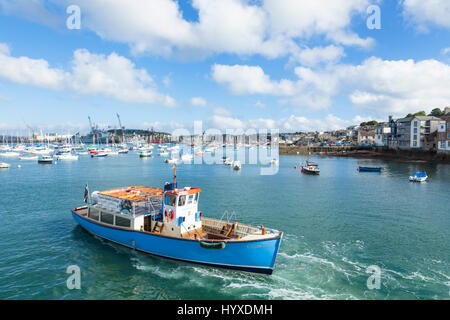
(436, 112)
(369, 123)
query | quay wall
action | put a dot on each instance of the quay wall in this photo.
(382, 153)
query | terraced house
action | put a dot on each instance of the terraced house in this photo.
(444, 132)
(415, 132)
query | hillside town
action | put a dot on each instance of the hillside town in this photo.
(414, 132)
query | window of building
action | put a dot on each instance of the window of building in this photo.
(415, 143)
(123, 222)
(107, 218)
(415, 123)
(448, 135)
(415, 130)
(415, 137)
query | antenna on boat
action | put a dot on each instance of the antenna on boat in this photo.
(174, 176)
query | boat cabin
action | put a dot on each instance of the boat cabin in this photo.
(172, 212)
(180, 211)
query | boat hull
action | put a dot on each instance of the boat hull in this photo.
(369, 169)
(253, 256)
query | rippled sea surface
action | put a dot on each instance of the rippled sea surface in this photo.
(335, 226)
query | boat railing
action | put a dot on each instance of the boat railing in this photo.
(228, 216)
(150, 205)
(240, 229)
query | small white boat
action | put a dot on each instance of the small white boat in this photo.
(122, 151)
(45, 159)
(4, 165)
(237, 165)
(66, 156)
(228, 162)
(9, 154)
(25, 158)
(418, 177)
(171, 160)
(164, 154)
(145, 154)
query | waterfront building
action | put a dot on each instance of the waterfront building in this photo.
(382, 132)
(443, 134)
(414, 132)
(366, 136)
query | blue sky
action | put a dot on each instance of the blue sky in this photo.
(234, 64)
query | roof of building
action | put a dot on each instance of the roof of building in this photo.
(421, 118)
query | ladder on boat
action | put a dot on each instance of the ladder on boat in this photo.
(158, 227)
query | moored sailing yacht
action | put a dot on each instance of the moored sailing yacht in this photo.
(167, 223)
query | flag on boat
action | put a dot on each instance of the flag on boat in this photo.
(86, 193)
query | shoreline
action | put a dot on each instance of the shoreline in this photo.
(408, 156)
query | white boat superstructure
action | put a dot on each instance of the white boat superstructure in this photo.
(30, 157)
(66, 156)
(172, 160)
(9, 154)
(4, 165)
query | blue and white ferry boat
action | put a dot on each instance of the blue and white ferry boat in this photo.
(167, 223)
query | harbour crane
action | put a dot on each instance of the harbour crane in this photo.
(120, 123)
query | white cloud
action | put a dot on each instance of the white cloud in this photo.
(243, 79)
(36, 72)
(423, 13)
(4, 49)
(445, 51)
(313, 56)
(259, 104)
(376, 85)
(271, 28)
(92, 74)
(198, 102)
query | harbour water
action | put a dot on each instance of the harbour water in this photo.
(335, 226)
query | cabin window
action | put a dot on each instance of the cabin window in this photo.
(170, 200)
(182, 201)
(190, 199)
(196, 197)
(94, 214)
(122, 222)
(107, 218)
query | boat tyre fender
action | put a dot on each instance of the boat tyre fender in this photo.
(212, 245)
